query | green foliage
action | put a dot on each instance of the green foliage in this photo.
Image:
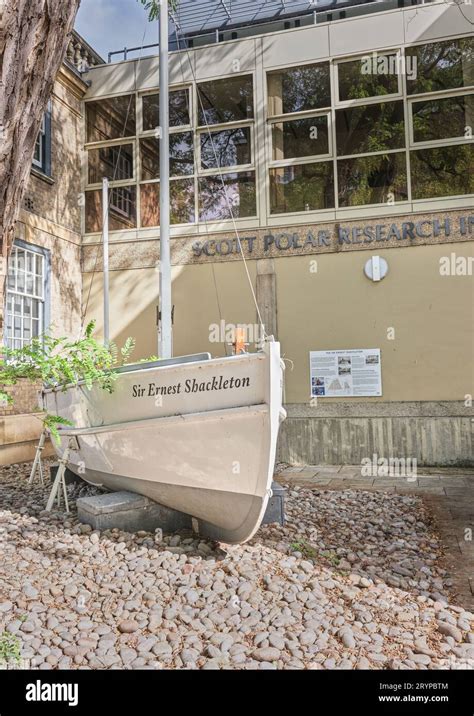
(51, 422)
(9, 648)
(331, 557)
(305, 549)
(127, 349)
(61, 362)
(153, 7)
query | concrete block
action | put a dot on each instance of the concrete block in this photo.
(275, 511)
(70, 478)
(129, 512)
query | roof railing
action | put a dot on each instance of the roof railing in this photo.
(335, 10)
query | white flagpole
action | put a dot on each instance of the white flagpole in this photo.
(165, 328)
(105, 252)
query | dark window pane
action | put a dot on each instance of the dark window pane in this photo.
(370, 76)
(111, 162)
(370, 129)
(300, 138)
(225, 149)
(304, 187)
(178, 109)
(110, 118)
(227, 100)
(122, 209)
(372, 180)
(181, 203)
(299, 88)
(181, 156)
(235, 199)
(440, 65)
(444, 171)
(443, 118)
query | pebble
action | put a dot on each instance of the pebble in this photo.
(268, 653)
(347, 638)
(128, 627)
(449, 630)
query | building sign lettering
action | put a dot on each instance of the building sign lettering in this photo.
(374, 233)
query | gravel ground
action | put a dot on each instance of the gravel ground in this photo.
(353, 580)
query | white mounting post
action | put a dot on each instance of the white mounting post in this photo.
(105, 251)
(165, 328)
(59, 482)
(37, 465)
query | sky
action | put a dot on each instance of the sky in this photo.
(109, 25)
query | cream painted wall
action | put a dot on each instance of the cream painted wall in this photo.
(134, 296)
(432, 355)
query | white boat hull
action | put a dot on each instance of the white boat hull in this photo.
(198, 437)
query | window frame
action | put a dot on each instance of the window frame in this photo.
(457, 90)
(43, 164)
(431, 97)
(44, 302)
(147, 93)
(271, 119)
(339, 103)
(147, 133)
(273, 70)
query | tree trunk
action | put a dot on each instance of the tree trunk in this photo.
(33, 39)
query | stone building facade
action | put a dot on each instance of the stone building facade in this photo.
(49, 231)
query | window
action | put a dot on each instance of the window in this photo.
(442, 171)
(182, 202)
(372, 75)
(299, 130)
(181, 160)
(441, 65)
(42, 152)
(302, 187)
(226, 196)
(179, 109)
(443, 118)
(378, 179)
(110, 118)
(226, 148)
(181, 156)
(373, 131)
(305, 137)
(26, 294)
(38, 156)
(298, 89)
(122, 209)
(231, 195)
(226, 100)
(370, 128)
(114, 162)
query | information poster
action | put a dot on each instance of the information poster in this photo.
(345, 373)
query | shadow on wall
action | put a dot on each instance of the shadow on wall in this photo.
(134, 298)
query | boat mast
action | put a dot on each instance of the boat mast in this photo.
(105, 255)
(165, 329)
